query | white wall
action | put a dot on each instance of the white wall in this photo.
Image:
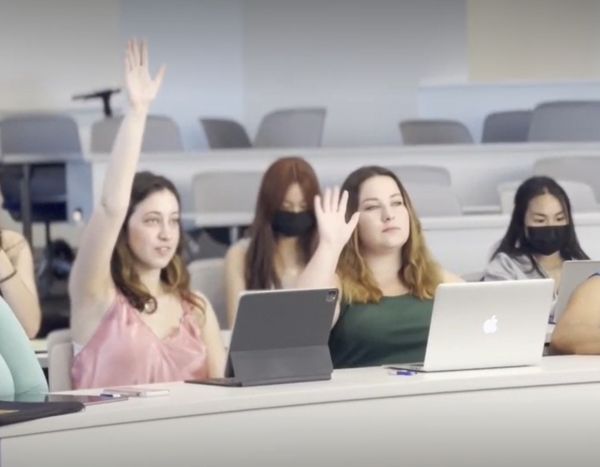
(533, 39)
(521, 53)
(470, 103)
(50, 50)
(362, 60)
(201, 43)
(240, 58)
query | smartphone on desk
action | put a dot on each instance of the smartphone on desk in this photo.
(84, 399)
(135, 392)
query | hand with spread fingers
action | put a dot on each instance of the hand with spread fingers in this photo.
(330, 211)
(141, 87)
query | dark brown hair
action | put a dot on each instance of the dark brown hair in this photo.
(260, 270)
(175, 275)
(515, 242)
(418, 271)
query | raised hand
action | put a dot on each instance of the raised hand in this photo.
(141, 87)
(330, 212)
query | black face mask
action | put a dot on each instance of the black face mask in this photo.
(548, 239)
(293, 224)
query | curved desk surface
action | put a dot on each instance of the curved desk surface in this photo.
(346, 385)
(351, 417)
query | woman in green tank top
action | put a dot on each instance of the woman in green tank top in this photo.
(372, 248)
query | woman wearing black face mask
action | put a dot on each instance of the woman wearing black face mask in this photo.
(540, 237)
(282, 237)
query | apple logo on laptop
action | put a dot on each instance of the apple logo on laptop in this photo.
(491, 325)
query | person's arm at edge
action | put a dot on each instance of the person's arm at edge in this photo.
(578, 329)
(20, 290)
(211, 334)
(90, 276)
(17, 352)
(235, 282)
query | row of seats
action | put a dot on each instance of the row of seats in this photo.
(555, 121)
(284, 128)
(51, 133)
(431, 187)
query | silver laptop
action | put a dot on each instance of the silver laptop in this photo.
(477, 325)
(573, 273)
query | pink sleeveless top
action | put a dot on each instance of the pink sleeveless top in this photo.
(125, 351)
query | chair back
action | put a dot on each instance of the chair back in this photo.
(581, 196)
(428, 132)
(565, 121)
(161, 134)
(227, 191)
(42, 134)
(584, 169)
(510, 126)
(292, 128)
(422, 174)
(39, 133)
(225, 134)
(208, 278)
(60, 360)
(434, 201)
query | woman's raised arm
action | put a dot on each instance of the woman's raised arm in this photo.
(90, 283)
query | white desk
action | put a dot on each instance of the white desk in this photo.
(461, 244)
(464, 244)
(360, 417)
(217, 219)
(476, 170)
(232, 220)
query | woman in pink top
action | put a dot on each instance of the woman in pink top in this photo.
(134, 318)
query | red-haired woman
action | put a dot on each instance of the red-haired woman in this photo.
(282, 237)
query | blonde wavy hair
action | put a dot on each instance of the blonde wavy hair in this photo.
(418, 271)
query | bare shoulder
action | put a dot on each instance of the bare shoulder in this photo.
(202, 305)
(449, 277)
(199, 296)
(237, 252)
(235, 258)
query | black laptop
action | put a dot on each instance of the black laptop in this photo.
(280, 336)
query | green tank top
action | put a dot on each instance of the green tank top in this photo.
(395, 330)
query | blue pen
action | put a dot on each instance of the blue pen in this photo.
(402, 372)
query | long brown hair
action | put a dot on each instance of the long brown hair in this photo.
(260, 270)
(418, 271)
(175, 275)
